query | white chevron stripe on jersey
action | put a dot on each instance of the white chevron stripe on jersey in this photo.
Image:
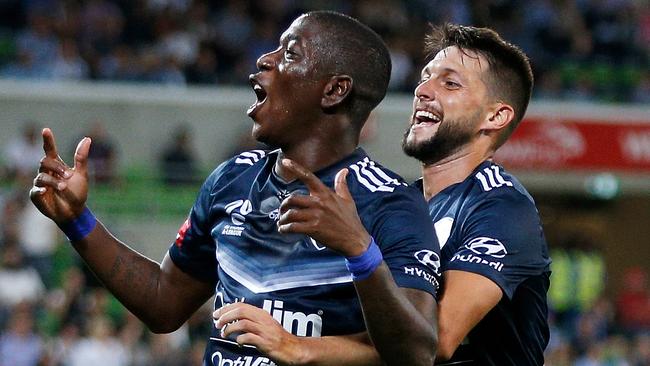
(372, 177)
(258, 279)
(250, 157)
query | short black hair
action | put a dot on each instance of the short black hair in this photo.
(510, 77)
(352, 48)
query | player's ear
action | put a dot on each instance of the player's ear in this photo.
(336, 90)
(498, 117)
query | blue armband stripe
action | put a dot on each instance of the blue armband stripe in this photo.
(80, 227)
(362, 266)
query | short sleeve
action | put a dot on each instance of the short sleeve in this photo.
(194, 250)
(404, 233)
(502, 239)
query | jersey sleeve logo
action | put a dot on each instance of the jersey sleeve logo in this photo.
(491, 178)
(374, 178)
(250, 157)
(487, 246)
(429, 258)
(181, 233)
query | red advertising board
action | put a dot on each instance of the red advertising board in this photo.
(565, 144)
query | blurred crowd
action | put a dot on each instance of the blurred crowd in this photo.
(580, 49)
(53, 312)
(589, 328)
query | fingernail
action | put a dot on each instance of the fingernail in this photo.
(67, 173)
(60, 186)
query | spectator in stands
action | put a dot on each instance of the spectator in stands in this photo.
(120, 65)
(23, 68)
(204, 69)
(61, 344)
(100, 347)
(22, 152)
(19, 282)
(39, 239)
(578, 280)
(178, 161)
(65, 304)
(102, 158)
(38, 41)
(68, 65)
(19, 344)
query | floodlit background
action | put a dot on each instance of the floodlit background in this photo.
(161, 86)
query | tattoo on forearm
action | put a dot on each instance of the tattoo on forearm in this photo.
(128, 274)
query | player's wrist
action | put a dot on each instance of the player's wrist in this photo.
(293, 350)
(365, 264)
(79, 227)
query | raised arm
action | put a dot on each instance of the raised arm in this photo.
(401, 322)
(161, 295)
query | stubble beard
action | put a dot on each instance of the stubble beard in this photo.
(448, 139)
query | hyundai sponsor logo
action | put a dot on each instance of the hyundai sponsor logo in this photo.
(429, 258)
(487, 246)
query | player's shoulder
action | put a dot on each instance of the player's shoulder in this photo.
(378, 188)
(491, 182)
(244, 162)
(367, 176)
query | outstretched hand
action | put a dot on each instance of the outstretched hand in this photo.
(60, 192)
(329, 217)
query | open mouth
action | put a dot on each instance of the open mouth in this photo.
(425, 117)
(260, 95)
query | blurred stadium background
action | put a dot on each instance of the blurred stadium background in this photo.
(161, 87)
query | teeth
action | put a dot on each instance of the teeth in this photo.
(426, 114)
(257, 87)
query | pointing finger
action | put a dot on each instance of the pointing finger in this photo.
(308, 178)
(49, 145)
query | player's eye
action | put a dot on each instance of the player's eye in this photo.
(450, 84)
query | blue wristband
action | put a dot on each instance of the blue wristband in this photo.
(80, 227)
(362, 266)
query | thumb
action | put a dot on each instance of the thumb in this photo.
(81, 155)
(341, 185)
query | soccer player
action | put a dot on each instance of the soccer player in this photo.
(494, 259)
(273, 286)
(471, 96)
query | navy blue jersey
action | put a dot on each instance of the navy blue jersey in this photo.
(489, 225)
(231, 239)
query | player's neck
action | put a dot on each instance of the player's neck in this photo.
(315, 154)
(451, 170)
